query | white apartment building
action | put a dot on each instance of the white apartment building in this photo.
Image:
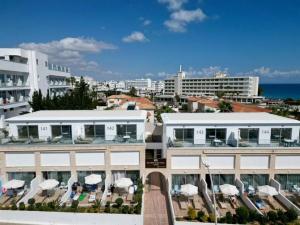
(158, 86)
(139, 84)
(210, 86)
(21, 73)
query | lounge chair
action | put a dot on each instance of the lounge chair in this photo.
(182, 203)
(197, 202)
(223, 205)
(57, 139)
(81, 140)
(92, 197)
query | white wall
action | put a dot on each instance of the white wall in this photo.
(125, 158)
(55, 159)
(50, 218)
(287, 162)
(185, 162)
(90, 159)
(19, 159)
(220, 162)
(254, 162)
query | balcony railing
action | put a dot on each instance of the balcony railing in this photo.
(65, 140)
(11, 83)
(13, 100)
(156, 163)
(215, 143)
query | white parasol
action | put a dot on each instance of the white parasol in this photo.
(188, 189)
(266, 190)
(228, 189)
(93, 179)
(48, 184)
(14, 184)
(123, 182)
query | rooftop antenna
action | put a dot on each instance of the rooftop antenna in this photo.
(180, 68)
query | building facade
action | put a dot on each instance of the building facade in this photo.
(210, 86)
(21, 73)
(139, 84)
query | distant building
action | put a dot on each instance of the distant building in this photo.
(139, 84)
(21, 73)
(211, 86)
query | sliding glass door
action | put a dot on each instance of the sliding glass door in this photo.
(28, 131)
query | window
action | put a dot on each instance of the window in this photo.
(287, 181)
(181, 179)
(249, 134)
(254, 179)
(62, 130)
(60, 176)
(94, 131)
(127, 130)
(37, 62)
(82, 174)
(219, 133)
(186, 135)
(278, 134)
(28, 131)
(26, 176)
(46, 64)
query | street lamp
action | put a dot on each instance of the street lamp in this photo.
(206, 164)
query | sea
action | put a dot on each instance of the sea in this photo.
(281, 91)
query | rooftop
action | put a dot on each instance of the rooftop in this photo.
(79, 115)
(226, 118)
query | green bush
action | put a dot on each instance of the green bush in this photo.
(272, 216)
(201, 216)
(254, 215)
(22, 206)
(125, 209)
(107, 207)
(13, 206)
(242, 215)
(291, 215)
(138, 208)
(74, 205)
(38, 206)
(192, 214)
(31, 201)
(229, 217)
(119, 202)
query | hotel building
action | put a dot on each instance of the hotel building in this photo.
(21, 73)
(252, 147)
(240, 87)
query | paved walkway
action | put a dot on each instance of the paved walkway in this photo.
(156, 211)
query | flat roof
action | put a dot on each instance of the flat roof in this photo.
(226, 118)
(80, 115)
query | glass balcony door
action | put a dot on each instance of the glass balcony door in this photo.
(65, 131)
(127, 131)
(288, 181)
(279, 134)
(184, 135)
(26, 131)
(254, 180)
(94, 131)
(215, 134)
(249, 135)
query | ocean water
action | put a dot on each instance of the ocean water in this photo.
(281, 91)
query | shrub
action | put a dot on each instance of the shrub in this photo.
(119, 202)
(138, 208)
(254, 215)
(107, 207)
(74, 205)
(125, 209)
(192, 214)
(31, 201)
(201, 216)
(242, 215)
(14, 206)
(22, 206)
(272, 216)
(229, 217)
(291, 215)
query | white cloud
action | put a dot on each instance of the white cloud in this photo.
(173, 4)
(180, 19)
(135, 36)
(147, 22)
(71, 51)
(266, 72)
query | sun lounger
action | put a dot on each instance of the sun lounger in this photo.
(223, 205)
(197, 202)
(4, 198)
(183, 203)
(92, 198)
(129, 197)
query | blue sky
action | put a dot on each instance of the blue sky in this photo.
(119, 39)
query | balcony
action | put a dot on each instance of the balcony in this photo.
(233, 143)
(10, 84)
(66, 140)
(13, 101)
(13, 66)
(156, 163)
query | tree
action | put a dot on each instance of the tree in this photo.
(225, 106)
(132, 92)
(37, 101)
(220, 94)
